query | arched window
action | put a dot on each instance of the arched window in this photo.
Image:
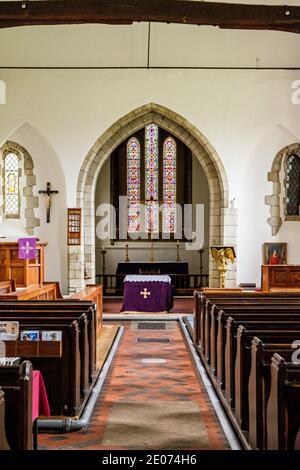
(292, 185)
(169, 185)
(152, 190)
(11, 186)
(151, 178)
(153, 170)
(17, 186)
(133, 184)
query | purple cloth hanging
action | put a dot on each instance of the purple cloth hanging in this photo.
(147, 297)
(27, 248)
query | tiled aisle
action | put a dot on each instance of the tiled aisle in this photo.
(152, 399)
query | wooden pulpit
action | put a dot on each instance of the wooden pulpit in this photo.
(25, 272)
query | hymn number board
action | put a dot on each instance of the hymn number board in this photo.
(74, 226)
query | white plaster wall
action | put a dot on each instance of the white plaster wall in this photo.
(126, 46)
(247, 115)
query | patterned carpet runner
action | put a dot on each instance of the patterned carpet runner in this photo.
(152, 399)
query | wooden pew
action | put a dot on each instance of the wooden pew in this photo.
(265, 328)
(61, 370)
(7, 286)
(204, 304)
(16, 382)
(48, 291)
(215, 322)
(283, 409)
(3, 439)
(217, 336)
(71, 367)
(247, 352)
(260, 382)
(61, 307)
(262, 315)
(43, 315)
(94, 294)
(261, 305)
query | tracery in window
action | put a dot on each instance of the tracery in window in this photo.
(153, 170)
(133, 184)
(151, 178)
(169, 185)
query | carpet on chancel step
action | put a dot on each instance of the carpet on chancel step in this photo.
(153, 398)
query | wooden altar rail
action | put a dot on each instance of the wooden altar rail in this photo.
(184, 284)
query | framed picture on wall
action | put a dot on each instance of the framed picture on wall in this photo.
(275, 253)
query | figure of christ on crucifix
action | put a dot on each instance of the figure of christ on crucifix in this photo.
(48, 194)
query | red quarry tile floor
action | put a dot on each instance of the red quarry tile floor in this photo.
(148, 405)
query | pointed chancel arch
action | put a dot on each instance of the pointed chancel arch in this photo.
(222, 218)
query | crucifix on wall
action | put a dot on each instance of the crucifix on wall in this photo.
(48, 194)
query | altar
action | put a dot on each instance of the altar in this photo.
(147, 293)
(178, 270)
(159, 267)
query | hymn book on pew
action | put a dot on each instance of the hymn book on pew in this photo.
(9, 361)
(9, 330)
(36, 335)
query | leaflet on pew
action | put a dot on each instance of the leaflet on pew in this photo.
(9, 331)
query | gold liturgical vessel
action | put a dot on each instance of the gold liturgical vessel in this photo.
(222, 255)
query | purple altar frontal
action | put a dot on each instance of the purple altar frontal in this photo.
(147, 296)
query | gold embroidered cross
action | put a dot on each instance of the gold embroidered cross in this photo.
(145, 293)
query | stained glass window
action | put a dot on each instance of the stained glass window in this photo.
(11, 185)
(154, 187)
(292, 185)
(169, 185)
(133, 184)
(151, 178)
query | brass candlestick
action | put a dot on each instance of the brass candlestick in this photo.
(201, 251)
(103, 252)
(126, 253)
(178, 255)
(221, 255)
(151, 251)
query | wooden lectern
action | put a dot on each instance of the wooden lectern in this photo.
(280, 276)
(25, 272)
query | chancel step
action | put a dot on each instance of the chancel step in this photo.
(151, 326)
(153, 340)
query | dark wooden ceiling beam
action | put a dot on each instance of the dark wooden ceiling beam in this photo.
(223, 15)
